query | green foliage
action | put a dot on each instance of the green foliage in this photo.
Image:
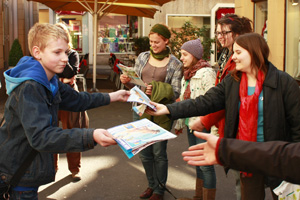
(15, 53)
(190, 32)
(141, 44)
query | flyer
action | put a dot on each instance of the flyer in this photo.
(138, 96)
(129, 71)
(135, 136)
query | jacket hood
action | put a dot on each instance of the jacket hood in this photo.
(29, 69)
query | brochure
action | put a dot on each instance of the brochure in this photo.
(137, 95)
(129, 71)
(135, 136)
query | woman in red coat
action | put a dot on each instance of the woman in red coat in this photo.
(228, 28)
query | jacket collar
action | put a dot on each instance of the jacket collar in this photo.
(271, 79)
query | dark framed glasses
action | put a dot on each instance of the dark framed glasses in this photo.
(222, 33)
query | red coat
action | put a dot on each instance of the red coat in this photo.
(218, 118)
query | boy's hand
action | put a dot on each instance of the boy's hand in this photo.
(160, 109)
(124, 79)
(102, 137)
(120, 95)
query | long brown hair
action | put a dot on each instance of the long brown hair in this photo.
(258, 49)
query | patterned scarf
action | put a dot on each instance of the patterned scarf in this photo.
(249, 108)
(222, 61)
(189, 73)
(161, 55)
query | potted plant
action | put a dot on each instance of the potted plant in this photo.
(190, 32)
(141, 44)
(15, 53)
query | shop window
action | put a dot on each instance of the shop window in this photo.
(189, 27)
(75, 30)
(176, 21)
(115, 33)
(292, 57)
(260, 20)
(73, 20)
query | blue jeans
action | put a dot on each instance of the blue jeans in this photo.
(24, 195)
(206, 173)
(155, 162)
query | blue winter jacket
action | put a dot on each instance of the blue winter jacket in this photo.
(31, 122)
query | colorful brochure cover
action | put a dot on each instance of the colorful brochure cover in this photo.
(129, 71)
(135, 136)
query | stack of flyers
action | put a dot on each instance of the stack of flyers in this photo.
(137, 95)
(135, 136)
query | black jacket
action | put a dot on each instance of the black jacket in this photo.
(275, 158)
(281, 107)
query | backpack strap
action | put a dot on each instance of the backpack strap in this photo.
(21, 171)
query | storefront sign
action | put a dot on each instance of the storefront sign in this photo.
(223, 11)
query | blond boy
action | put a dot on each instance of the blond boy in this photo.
(35, 96)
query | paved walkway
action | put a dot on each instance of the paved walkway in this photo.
(109, 175)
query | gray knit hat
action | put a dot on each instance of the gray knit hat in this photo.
(194, 47)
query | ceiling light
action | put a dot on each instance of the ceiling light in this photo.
(294, 2)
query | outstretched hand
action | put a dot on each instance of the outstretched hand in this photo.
(204, 153)
(120, 95)
(160, 109)
(102, 137)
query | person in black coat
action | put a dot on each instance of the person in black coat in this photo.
(274, 158)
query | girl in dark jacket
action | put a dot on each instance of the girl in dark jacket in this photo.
(261, 103)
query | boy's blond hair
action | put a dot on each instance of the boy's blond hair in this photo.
(65, 28)
(41, 33)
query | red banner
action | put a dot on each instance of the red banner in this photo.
(223, 11)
